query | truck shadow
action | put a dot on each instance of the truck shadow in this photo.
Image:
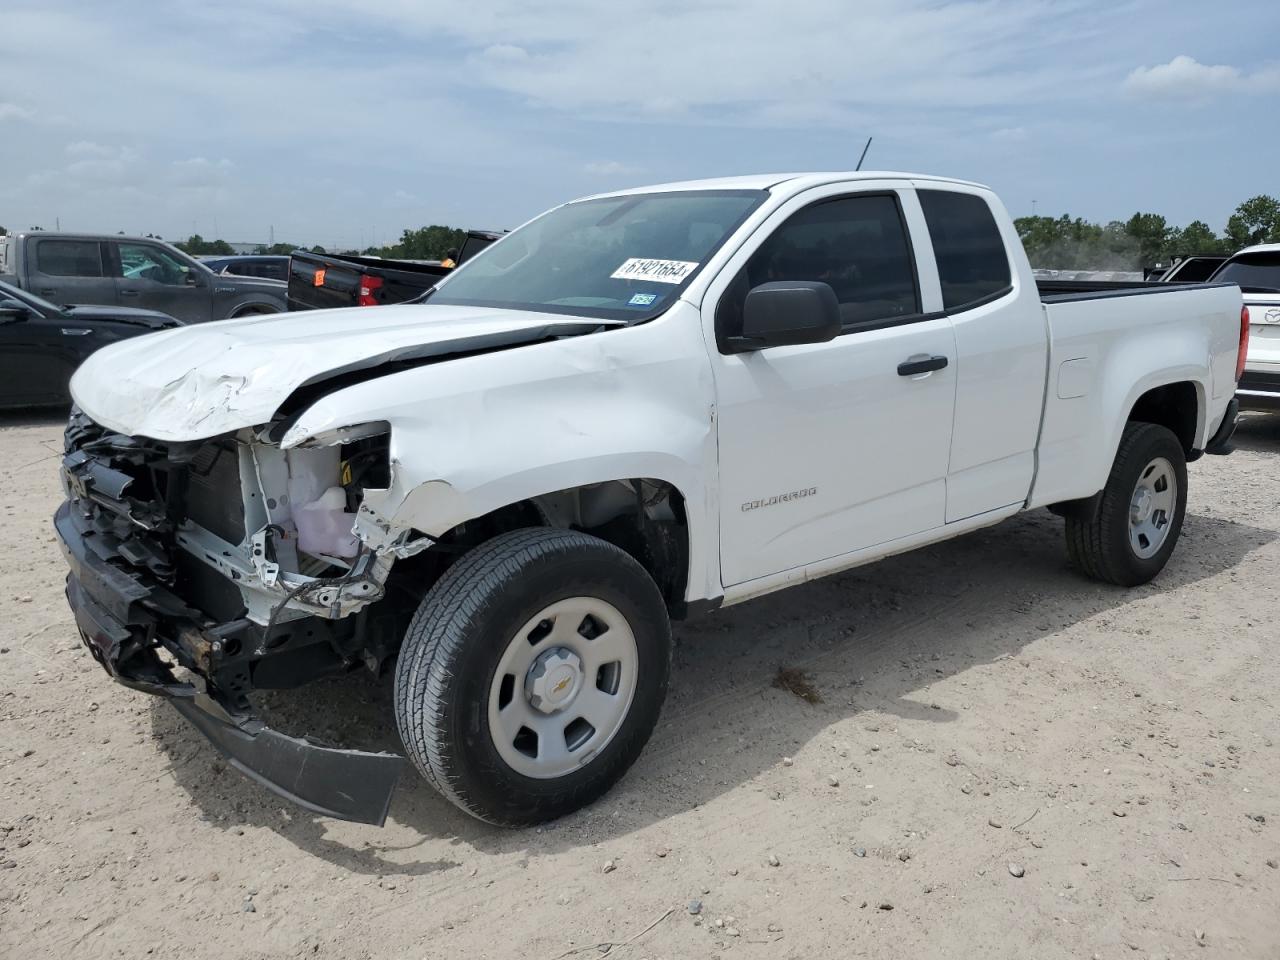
(872, 639)
(1258, 433)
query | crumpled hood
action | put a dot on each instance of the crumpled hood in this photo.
(208, 379)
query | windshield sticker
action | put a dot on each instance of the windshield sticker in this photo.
(642, 300)
(659, 271)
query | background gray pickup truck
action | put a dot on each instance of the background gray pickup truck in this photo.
(68, 268)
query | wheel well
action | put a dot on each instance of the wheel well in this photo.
(254, 310)
(644, 517)
(1174, 405)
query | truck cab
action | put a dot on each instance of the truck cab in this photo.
(141, 272)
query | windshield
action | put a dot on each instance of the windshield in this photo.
(621, 258)
(1251, 270)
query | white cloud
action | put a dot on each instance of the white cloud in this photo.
(1184, 77)
(609, 168)
(506, 52)
(808, 67)
(98, 161)
(87, 148)
(201, 163)
(11, 111)
(498, 109)
(199, 173)
(1010, 134)
(809, 113)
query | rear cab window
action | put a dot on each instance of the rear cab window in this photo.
(68, 258)
(973, 264)
(858, 245)
(1257, 270)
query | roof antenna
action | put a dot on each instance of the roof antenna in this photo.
(864, 155)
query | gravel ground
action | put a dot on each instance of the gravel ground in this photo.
(1007, 761)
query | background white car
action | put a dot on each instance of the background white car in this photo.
(1257, 271)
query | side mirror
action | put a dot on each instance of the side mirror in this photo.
(13, 311)
(789, 312)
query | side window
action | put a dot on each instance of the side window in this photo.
(858, 245)
(268, 270)
(140, 261)
(69, 258)
(972, 262)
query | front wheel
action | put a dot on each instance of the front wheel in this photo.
(533, 674)
(1129, 538)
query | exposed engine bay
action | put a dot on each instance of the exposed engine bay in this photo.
(202, 571)
(254, 538)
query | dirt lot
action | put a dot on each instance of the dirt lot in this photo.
(985, 711)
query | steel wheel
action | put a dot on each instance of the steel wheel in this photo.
(563, 687)
(1127, 533)
(1152, 507)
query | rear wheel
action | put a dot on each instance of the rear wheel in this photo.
(1129, 538)
(533, 674)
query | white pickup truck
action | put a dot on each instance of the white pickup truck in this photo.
(1256, 270)
(636, 407)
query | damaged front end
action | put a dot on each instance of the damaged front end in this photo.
(202, 571)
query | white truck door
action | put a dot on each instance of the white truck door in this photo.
(1001, 344)
(828, 448)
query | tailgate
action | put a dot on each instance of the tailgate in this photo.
(317, 285)
(1264, 331)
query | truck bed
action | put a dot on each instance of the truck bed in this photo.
(1065, 291)
(1101, 335)
(324, 281)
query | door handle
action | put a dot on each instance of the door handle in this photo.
(128, 293)
(48, 291)
(76, 331)
(920, 363)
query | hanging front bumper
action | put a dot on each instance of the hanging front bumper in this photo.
(125, 619)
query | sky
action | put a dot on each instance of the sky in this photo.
(342, 123)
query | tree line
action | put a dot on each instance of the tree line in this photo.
(1144, 240)
(198, 246)
(424, 243)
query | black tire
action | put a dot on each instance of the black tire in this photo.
(455, 642)
(1098, 541)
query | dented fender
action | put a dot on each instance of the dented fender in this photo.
(482, 432)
